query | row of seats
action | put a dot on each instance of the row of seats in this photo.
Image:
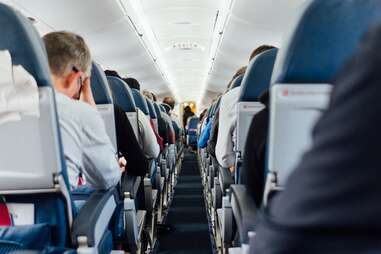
(124, 217)
(299, 79)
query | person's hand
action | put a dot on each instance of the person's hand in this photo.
(122, 164)
(87, 94)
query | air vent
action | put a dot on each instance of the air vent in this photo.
(187, 46)
(182, 23)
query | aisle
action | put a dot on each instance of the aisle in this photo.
(187, 214)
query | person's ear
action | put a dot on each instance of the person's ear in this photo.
(71, 78)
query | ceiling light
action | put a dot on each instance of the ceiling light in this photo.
(134, 12)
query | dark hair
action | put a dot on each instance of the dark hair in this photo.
(260, 50)
(112, 73)
(169, 101)
(154, 97)
(132, 83)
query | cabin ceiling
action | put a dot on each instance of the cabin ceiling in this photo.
(183, 31)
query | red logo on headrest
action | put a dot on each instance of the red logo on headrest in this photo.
(285, 92)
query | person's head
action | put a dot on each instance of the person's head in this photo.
(132, 83)
(187, 109)
(154, 97)
(69, 61)
(112, 73)
(260, 50)
(241, 71)
(170, 101)
(148, 94)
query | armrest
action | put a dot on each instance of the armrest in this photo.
(94, 217)
(225, 178)
(130, 184)
(244, 211)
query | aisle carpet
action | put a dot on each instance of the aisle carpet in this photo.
(187, 214)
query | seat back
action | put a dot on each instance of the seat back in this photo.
(192, 130)
(325, 36)
(152, 114)
(103, 99)
(123, 98)
(140, 101)
(237, 82)
(255, 82)
(38, 188)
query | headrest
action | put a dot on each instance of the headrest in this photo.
(140, 102)
(166, 107)
(21, 39)
(217, 105)
(236, 82)
(323, 39)
(258, 76)
(151, 109)
(99, 85)
(122, 94)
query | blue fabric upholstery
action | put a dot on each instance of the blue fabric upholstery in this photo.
(122, 94)
(151, 109)
(24, 43)
(258, 76)
(157, 109)
(99, 85)
(140, 102)
(324, 39)
(237, 82)
(35, 236)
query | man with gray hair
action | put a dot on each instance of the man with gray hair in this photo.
(90, 156)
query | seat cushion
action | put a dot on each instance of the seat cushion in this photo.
(25, 237)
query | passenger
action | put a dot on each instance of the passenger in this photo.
(87, 147)
(171, 102)
(331, 202)
(150, 148)
(148, 94)
(132, 83)
(187, 113)
(227, 117)
(127, 144)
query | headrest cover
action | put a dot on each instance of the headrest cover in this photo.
(162, 109)
(151, 109)
(122, 94)
(140, 102)
(21, 39)
(237, 82)
(100, 86)
(258, 76)
(324, 38)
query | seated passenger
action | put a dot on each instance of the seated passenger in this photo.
(331, 202)
(132, 83)
(227, 117)
(147, 139)
(170, 101)
(87, 147)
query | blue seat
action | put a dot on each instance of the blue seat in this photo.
(192, 131)
(256, 81)
(241, 206)
(140, 102)
(43, 184)
(324, 38)
(122, 96)
(103, 98)
(237, 82)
